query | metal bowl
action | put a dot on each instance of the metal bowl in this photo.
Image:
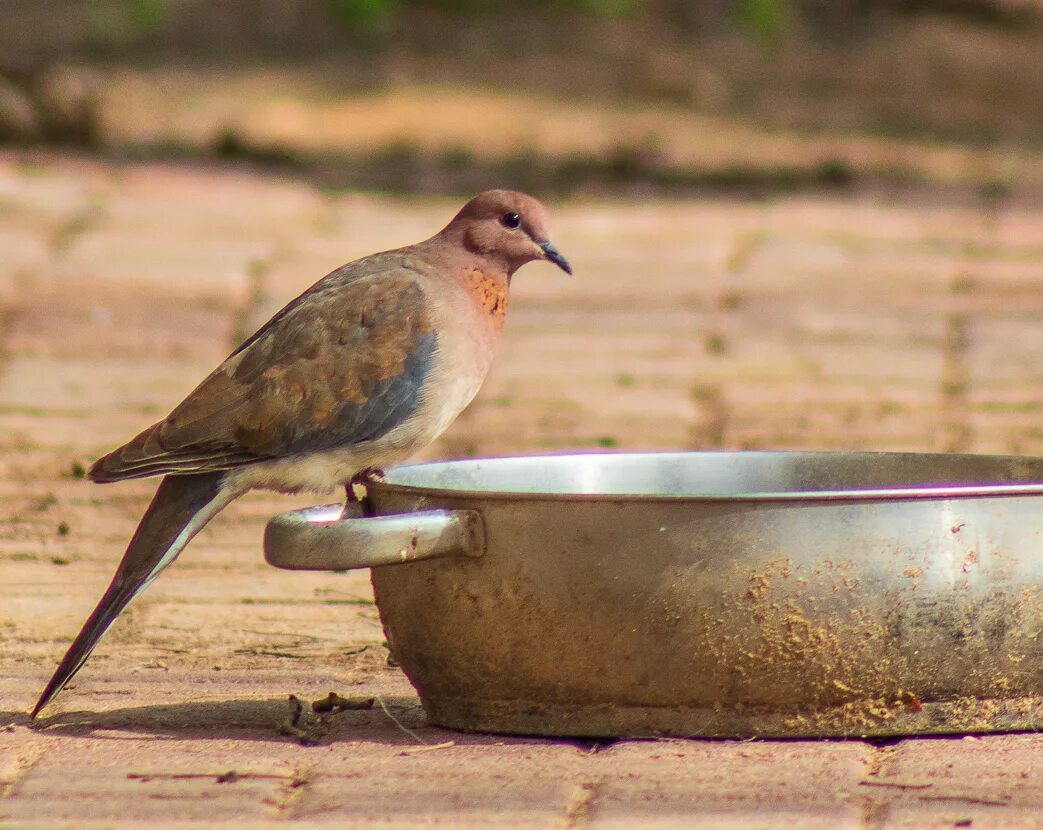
(712, 594)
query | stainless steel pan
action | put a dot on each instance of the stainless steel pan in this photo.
(716, 594)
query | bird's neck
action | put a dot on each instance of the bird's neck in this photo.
(483, 277)
(488, 288)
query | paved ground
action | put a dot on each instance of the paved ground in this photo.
(802, 322)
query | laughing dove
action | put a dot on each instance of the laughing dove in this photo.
(363, 369)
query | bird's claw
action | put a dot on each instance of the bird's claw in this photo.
(355, 491)
(371, 474)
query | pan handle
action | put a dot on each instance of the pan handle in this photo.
(335, 538)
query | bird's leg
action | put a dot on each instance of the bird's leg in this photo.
(360, 480)
(353, 508)
(358, 483)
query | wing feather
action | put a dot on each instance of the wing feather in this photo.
(343, 363)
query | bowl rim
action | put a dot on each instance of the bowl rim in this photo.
(905, 493)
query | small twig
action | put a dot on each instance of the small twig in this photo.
(306, 736)
(298, 634)
(398, 723)
(898, 785)
(229, 777)
(335, 703)
(303, 736)
(966, 799)
(296, 710)
(416, 750)
(262, 652)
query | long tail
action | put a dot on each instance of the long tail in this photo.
(181, 507)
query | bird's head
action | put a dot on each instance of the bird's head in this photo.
(506, 225)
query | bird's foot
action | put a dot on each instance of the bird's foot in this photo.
(371, 474)
(355, 491)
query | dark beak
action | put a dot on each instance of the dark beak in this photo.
(552, 254)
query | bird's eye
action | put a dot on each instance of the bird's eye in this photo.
(511, 220)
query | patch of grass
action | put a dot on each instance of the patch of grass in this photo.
(730, 301)
(257, 268)
(230, 144)
(963, 284)
(994, 191)
(835, 172)
(405, 167)
(610, 8)
(458, 158)
(888, 408)
(68, 232)
(43, 503)
(715, 344)
(362, 16)
(996, 407)
(117, 21)
(767, 19)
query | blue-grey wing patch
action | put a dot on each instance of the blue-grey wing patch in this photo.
(365, 409)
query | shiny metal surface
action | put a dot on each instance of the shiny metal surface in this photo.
(330, 538)
(717, 476)
(725, 594)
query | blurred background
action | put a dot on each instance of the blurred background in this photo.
(795, 224)
(648, 96)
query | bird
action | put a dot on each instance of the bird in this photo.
(366, 367)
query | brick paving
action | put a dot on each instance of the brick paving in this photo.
(798, 322)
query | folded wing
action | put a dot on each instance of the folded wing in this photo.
(344, 363)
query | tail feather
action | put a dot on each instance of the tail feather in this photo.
(181, 507)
